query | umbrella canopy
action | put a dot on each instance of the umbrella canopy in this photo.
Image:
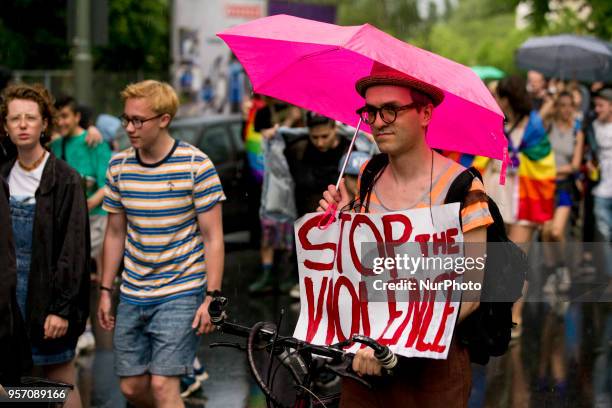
(486, 72)
(567, 56)
(315, 66)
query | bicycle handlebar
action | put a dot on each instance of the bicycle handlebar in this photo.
(216, 310)
(300, 365)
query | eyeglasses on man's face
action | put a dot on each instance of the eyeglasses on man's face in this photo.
(388, 113)
(136, 122)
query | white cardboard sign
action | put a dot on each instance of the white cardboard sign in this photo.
(334, 282)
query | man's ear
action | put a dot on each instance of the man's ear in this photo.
(165, 121)
(426, 113)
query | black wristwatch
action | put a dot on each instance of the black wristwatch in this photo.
(215, 293)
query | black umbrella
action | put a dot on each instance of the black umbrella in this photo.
(567, 56)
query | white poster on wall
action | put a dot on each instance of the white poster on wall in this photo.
(204, 72)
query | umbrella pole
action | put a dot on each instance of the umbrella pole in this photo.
(348, 154)
(330, 213)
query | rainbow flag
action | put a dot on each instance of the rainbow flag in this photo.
(253, 143)
(536, 173)
(468, 160)
(535, 161)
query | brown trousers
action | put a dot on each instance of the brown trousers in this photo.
(416, 382)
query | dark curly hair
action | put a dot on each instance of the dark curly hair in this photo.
(36, 93)
(515, 89)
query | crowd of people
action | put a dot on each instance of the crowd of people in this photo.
(558, 128)
(302, 153)
(558, 177)
(81, 213)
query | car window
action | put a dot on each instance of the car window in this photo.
(236, 130)
(186, 134)
(216, 144)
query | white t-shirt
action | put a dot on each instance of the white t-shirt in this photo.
(603, 136)
(22, 183)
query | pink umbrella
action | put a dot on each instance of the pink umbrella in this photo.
(315, 66)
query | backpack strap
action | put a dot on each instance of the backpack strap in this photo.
(369, 176)
(460, 187)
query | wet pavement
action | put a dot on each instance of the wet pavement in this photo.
(562, 359)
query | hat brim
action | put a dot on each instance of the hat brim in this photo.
(436, 95)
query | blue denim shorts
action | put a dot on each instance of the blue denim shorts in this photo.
(156, 339)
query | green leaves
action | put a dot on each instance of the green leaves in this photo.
(580, 17)
(138, 36)
(478, 32)
(33, 35)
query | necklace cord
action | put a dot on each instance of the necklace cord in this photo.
(33, 165)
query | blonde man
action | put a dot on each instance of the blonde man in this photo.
(164, 198)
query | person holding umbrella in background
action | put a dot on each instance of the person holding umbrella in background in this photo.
(339, 67)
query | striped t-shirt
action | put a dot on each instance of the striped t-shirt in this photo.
(164, 253)
(475, 212)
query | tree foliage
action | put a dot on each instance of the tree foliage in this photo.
(479, 32)
(33, 35)
(138, 36)
(398, 18)
(566, 18)
(474, 32)
(601, 18)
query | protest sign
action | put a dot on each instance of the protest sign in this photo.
(336, 280)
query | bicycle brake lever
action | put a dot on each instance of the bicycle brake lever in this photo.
(344, 369)
(225, 344)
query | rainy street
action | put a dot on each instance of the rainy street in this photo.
(570, 345)
(392, 203)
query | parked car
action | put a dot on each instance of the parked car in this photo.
(220, 137)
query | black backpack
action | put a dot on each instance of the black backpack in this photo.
(486, 331)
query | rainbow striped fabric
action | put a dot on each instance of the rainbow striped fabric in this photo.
(535, 161)
(253, 143)
(468, 160)
(536, 172)
(164, 253)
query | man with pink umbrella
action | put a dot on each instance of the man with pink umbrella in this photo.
(398, 109)
(330, 70)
